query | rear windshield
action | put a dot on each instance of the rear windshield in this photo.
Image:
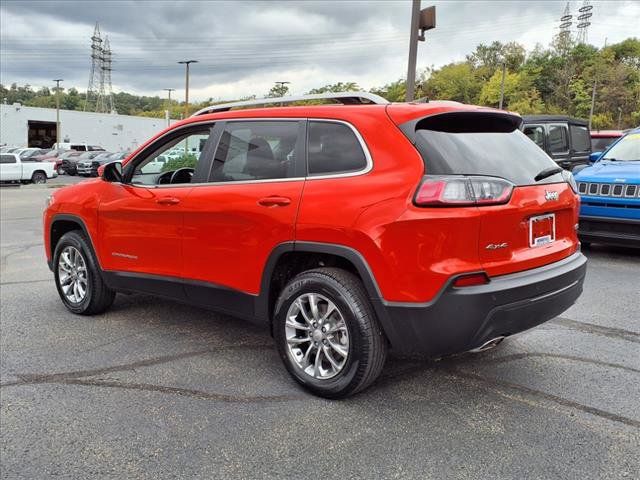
(481, 144)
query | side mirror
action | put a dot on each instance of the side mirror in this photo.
(594, 156)
(112, 172)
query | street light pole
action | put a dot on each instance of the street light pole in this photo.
(169, 90)
(504, 71)
(186, 63)
(421, 20)
(58, 80)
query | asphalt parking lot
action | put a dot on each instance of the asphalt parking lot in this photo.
(155, 389)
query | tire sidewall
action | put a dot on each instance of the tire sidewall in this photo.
(75, 240)
(334, 292)
(39, 176)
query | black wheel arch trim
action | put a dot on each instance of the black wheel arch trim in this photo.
(80, 222)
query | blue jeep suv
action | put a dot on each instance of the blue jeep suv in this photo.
(610, 193)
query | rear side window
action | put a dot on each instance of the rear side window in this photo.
(79, 148)
(7, 159)
(333, 148)
(558, 139)
(480, 144)
(256, 150)
(580, 138)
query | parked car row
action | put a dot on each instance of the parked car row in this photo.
(88, 163)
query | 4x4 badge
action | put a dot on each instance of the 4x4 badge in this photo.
(548, 196)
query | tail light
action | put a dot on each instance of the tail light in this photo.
(568, 177)
(459, 190)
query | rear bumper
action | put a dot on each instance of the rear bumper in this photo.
(461, 319)
(613, 231)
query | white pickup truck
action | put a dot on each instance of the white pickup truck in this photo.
(13, 169)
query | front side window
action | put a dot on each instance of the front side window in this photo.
(174, 161)
(333, 148)
(580, 138)
(536, 134)
(558, 139)
(256, 150)
(7, 159)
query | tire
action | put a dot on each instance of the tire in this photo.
(39, 177)
(366, 345)
(60, 171)
(97, 297)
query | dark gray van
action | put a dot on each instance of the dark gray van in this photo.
(566, 140)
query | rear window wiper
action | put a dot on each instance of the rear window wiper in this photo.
(547, 172)
(611, 159)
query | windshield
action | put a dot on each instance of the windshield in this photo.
(626, 150)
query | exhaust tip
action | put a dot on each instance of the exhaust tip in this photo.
(488, 345)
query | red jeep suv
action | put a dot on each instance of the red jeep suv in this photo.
(348, 229)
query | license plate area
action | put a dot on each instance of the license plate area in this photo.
(542, 230)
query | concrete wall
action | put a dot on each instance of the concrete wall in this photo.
(113, 132)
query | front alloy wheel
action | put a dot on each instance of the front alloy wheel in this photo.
(77, 275)
(317, 336)
(72, 274)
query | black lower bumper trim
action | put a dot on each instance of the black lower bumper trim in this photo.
(612, 231)
(464, 318)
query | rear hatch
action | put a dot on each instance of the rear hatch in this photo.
(528, 209)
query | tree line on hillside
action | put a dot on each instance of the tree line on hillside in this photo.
(555, 80)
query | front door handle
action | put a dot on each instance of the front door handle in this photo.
(274, 201)
(168, 201)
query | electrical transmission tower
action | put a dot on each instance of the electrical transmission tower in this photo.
(106, 88)
(93, 92)
(565, 24)
(100, 90)
(584, 19)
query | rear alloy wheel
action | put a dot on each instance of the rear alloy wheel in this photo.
(327, 334)
(78, 278)
(317, 336)
(39, 177)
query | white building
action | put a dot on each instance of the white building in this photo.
(36, 127)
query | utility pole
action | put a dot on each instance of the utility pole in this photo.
(58, 80)
(186, 63)
(593, 99)
(504, 71)
(169, 90)
(619, 118)
(421, 20)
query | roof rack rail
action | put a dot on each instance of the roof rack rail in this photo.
(346, 98)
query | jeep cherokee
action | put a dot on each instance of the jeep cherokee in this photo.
(348, 230)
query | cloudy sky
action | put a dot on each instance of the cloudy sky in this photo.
(244, 46)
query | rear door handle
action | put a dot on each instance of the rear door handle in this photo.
(168, 201)
(274, 201)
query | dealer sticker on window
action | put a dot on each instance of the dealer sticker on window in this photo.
(542, 230)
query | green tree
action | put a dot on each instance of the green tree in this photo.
(456, 81)
(278, 90)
